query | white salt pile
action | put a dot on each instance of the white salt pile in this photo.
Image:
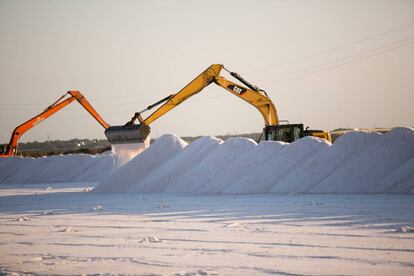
(372, 165)
(60, 168)
(14, 167)
(95, 169)
(67, 168)
(172, 170)
(244, 167)
(292, 156)
(319, 166)
(399, 181)
(201, 175)
(358, 162)
(123, 179)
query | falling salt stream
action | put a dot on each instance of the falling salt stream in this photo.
(125, 152)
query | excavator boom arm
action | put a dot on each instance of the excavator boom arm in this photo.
(212, 74)
(195, 86)
(82, 100)
(134, 133)
(255, 98)
(21, 129)
(49, 111)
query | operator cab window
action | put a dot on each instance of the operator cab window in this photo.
(285, 133)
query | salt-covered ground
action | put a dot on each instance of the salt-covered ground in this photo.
(60, 229)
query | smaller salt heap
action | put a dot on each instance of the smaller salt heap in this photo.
(124, 178)
(59, 168)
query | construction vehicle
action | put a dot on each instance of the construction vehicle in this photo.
(11, 148)
(273, 130)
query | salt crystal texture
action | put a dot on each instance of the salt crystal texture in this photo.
(263, 178)
(232, 180)
(123, 179)
(198, 178)
(320, 165)
(97, 168)
(375, 162)
(400, 181)
(60, 168)
(193, 154)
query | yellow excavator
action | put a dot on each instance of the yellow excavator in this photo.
(273, 130)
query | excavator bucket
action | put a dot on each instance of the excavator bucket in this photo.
(127, 141)
(127, 134)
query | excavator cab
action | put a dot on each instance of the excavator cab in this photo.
(284, 133)
(3, 148)
(292, 132)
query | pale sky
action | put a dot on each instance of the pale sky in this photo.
(327, 64)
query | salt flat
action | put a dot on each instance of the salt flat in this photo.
(61, 229)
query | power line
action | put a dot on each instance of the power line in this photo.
(211, 98)
(11, 108)
(339, 59)
(81, 108)
(373, 52)
(161, 91)
(331, 49)
(254, 71)
(341, 64)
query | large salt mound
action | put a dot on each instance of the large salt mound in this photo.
(62, 168)
(400, 181)
(184, 161)
(358, 162)
(205, 173)
(123, 179)
(317, 167)
(244, 166)
(12, 167)
(95, 169)
(263, 178)
(363, 174)
(58, 168)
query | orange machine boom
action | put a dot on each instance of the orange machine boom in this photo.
(11, 149)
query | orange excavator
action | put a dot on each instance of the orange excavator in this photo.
(11, 148)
